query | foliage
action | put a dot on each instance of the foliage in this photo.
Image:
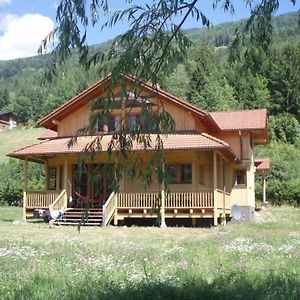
(12, 180)
(284, 179)
(284, 127)
(10, 194)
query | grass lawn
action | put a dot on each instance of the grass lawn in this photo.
(257, 261)
(16, 138)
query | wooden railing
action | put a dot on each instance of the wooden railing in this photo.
(223, 200)
(138, 200)
(201, 199)
(109, 208)
(61, 202)
(35, 199)
(198, 199)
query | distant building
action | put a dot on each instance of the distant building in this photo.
(8, 120)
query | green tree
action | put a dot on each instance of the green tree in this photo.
(284, 80)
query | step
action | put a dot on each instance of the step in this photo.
(77, 223)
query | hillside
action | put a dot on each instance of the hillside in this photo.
(16, 138)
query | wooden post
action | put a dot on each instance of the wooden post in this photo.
(116, 218)
(215, 178)
(264, 189)
(57, 177)
(66, 174)
(25, 188)
(163, 201)
(46, 175)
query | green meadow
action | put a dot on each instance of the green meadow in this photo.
(255, 261)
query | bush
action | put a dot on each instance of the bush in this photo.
(10, 194)
(288, 192)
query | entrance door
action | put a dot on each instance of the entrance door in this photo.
(91, 182)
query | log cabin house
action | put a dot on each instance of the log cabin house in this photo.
(208, 157)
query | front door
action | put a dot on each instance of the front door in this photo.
(91, 184)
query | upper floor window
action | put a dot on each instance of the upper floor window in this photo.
(133, 121)
(113, 124)
(239, 177)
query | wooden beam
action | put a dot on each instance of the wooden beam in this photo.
(215, 178)
(163, 201)
(25, 187)
(264, 189)
(46, 175)
(65, 173)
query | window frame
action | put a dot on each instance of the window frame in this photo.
(242, 174)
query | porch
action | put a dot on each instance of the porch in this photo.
(207, 203)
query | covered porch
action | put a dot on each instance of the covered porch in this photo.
(200, 182)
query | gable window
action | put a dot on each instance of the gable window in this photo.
(239, 177)
(51, 178)
(179, 173)
(114, 123)
(133, 121)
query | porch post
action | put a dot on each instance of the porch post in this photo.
(264, 189)
(46, 175)
(25, 188)
(215, 178)
(65, 185)
(57, 177)
(163, 201)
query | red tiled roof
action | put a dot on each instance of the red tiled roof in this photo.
(262, 164)
(48, 134)
(255, 119)
(186, 141)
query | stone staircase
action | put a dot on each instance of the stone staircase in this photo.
(86, 217)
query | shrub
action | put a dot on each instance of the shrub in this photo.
(288, 192)
(10, 194)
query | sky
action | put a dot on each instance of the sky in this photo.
(25, 23)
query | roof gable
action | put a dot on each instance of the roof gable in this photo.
(101, 86)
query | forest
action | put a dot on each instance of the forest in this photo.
(211, 76)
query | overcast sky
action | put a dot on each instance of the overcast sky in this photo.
(24, 23)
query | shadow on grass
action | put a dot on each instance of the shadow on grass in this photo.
(237, 285)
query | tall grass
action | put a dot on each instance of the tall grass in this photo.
(257, 261)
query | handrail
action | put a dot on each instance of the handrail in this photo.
(61, 200)
(109, 208)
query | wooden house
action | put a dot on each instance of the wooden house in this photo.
(8, 120)
(209, 157)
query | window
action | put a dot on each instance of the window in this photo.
(239, 177)
(179, 173)
(114, 123)
(202, 175)
(132, 121)
(51, 178)
(171, 173)
(186, 173)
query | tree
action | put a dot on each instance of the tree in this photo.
(152, 47)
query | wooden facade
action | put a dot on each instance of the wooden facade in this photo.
(220, 173)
